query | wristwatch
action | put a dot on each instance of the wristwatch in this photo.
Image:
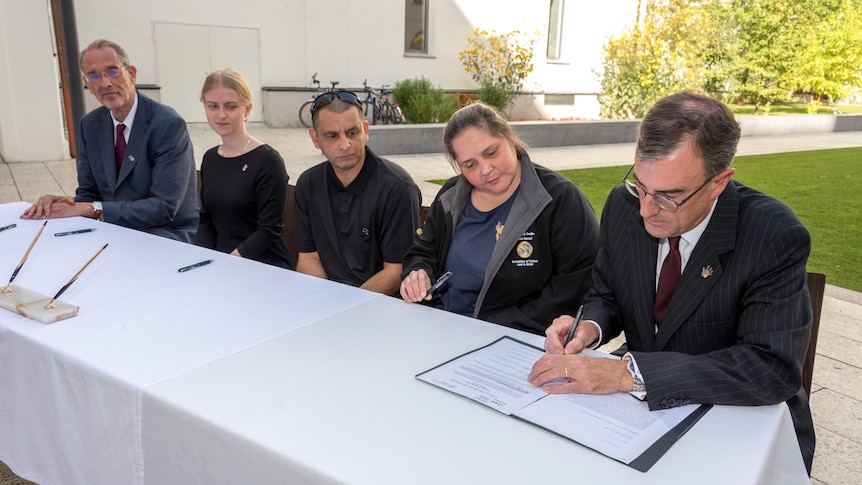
(97, 211)
(638, 380)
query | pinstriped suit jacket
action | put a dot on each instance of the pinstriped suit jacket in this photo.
(737, 327)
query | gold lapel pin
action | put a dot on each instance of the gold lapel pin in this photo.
(706, 272)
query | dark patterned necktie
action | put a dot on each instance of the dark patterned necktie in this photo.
(120, 147)
(667, 280)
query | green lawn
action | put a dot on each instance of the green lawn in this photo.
(794, 109)
(823, 187)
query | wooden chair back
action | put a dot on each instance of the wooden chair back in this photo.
(288, 235)
(816, 288)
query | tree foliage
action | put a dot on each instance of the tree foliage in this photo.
(830, 63)
(754, 50)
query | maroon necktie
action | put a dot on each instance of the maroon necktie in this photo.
(120, 147)
(667, 280)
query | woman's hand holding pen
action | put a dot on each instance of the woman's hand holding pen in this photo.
(415, 286)
(556, 334)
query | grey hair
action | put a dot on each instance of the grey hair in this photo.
(101, 43)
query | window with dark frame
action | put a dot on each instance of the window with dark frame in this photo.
(555, 30)
(416, 27)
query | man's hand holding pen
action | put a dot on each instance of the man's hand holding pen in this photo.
(558, 332)
(577, 373)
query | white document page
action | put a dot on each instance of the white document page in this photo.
(494, 375)
(617, 425)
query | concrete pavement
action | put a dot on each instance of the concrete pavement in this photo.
(836, 399)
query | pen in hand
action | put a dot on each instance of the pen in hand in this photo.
(578, 316)
(440, 281)
(193, 266)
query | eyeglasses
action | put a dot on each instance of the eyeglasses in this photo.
(665, 202)
(328, 97)
(94, 77)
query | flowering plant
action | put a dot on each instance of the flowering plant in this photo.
(499, 63)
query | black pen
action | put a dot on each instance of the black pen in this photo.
(436, 286)
(7, 288)
(193, 266)
(10, 226)
(79, 231)
(74, 278)
(575, 324)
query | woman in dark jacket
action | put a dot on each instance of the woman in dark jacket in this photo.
(519, 239)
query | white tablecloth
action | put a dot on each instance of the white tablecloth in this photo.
(70, 392)
(237, 372)
(337, 402)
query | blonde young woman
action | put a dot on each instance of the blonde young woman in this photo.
(243, 180)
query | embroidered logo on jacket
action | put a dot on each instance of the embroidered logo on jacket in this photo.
(524, 249)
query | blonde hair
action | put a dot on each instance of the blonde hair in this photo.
(231, 79)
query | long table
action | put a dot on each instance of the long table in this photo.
(238, 372)
(70, 392)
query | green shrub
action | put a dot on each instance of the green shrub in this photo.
(448, 107)
(421, 102)
(496, 96)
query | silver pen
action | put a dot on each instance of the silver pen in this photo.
(193, 266)
(440, 281)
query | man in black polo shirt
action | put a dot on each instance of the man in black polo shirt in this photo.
(356, 212)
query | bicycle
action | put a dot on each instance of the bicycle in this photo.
(378, 108)
(305, 109)
(390, 112)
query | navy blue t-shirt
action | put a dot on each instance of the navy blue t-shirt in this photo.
(472, 245)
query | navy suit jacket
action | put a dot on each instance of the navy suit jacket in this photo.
(156, 189)
(737, 327)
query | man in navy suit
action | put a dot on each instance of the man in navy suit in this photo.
(735, 329)
(135, 161)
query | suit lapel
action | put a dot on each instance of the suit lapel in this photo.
(105, 129)
(704, 268)
(136, 146)
(644, 251)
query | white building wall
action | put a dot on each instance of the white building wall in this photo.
(31, 120)
(343, 40)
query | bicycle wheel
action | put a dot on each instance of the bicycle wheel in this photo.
(369, 110)
(387, 115)
(305, 114)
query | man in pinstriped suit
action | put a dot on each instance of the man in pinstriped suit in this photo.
(737, 326)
